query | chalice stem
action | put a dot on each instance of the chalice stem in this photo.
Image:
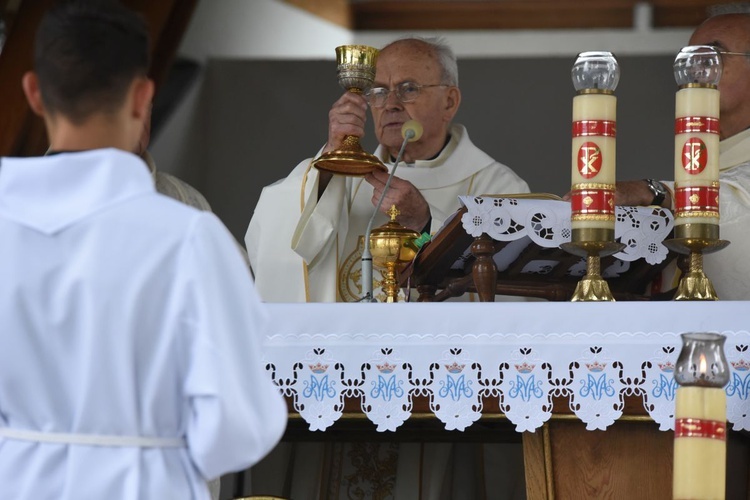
(350, 143)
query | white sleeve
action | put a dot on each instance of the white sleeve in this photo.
(237, 415)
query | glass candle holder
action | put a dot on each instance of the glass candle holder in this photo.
(702, 361)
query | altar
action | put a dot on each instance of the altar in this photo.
(560, 373)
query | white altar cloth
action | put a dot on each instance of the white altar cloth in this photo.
(519, 353)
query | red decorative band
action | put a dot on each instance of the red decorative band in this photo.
(693, 124)
(696, 199)
(699, 428)
(585, 128)
(592, 201)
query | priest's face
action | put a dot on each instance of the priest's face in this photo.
(434, 107)
(730, 33)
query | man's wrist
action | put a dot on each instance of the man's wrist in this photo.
(658, 190)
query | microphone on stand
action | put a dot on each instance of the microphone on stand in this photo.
(411, 131)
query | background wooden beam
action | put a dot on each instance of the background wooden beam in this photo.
(336, 11)
(520, 14)
(21, 132)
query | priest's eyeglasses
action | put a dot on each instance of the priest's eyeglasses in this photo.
(405, 92)
(723, 52)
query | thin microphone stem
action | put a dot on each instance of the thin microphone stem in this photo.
(366, 255)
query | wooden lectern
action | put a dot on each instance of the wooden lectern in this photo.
(436, 276)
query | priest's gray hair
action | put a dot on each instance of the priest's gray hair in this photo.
(728, 8)
(445, 55)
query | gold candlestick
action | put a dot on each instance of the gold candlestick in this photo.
(595, 77)
(356, 73)
(697, 71)
(701, 371)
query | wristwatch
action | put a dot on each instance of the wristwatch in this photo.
(656, 187)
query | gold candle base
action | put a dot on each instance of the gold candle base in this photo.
(592, 287)
(694, 284)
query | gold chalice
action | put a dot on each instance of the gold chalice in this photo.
(392, 246)
(356, 72)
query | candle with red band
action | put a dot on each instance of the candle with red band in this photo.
(592, 201)
(697, 428)
(585, 128)
(697, 71)
(690, 201)
(595, 77)
(700, 418)
(696, 124)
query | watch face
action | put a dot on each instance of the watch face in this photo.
(656, 187)
(658, 190)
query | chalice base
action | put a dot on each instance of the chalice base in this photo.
(350, 160)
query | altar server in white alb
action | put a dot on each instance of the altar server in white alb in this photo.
(304, 240)
(129, 325)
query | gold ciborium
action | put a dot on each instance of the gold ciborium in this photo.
(392, 246)
(356, 72)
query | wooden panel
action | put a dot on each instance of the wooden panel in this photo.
(21, 132)
(491, 15)
(520, 14)
(167, 21)
(535, 465)
(629, 460)
(337, 11)
(676, 16)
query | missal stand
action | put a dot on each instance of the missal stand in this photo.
(456, 262)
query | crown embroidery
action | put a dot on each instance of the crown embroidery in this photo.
(318, 367)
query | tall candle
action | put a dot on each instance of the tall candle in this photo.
(696, 153)
(696, 169)
(699, 443)
(700, 419)
(594, 131)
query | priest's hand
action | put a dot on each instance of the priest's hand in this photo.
(633, 194)
(346, 117)
(414, 209)
(637, 193)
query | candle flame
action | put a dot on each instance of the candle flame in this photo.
(702, 365)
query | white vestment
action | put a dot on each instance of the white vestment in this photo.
(130, 320)
(305, 249)
(729, 268)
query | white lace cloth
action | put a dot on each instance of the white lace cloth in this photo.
(547, 223)
(520, 354)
